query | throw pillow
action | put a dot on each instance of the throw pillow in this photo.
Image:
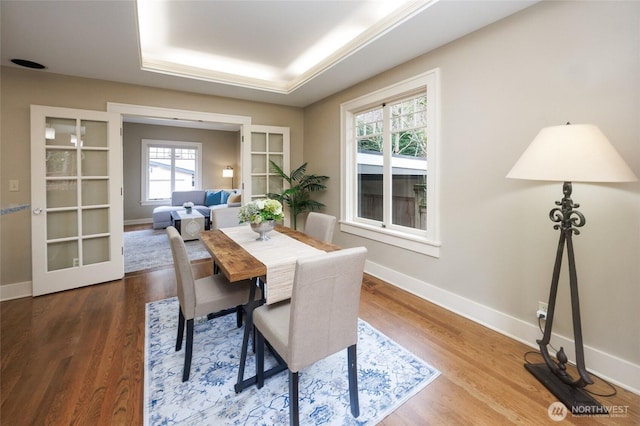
(213, 198)
(234, 198)
(224, 196)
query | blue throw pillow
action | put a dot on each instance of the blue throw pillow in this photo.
(213, 198)
(224, 196)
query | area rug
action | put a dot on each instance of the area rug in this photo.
(149, 248)
(388, 375)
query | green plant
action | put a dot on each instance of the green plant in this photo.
(298, 196)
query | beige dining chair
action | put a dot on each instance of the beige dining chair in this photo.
(224, 217)
(320, 226)
(320, 319)
(213, 295)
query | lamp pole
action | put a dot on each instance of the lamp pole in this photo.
(554, 374)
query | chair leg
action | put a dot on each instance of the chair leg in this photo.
(259, 358)
(180, 330)
(189, 351)
(254, 340)
(353, 380)
(239, 310)
(294, 415)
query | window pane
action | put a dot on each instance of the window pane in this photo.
(62, 193)
(409, 163)
(185, 169)
(370, 195)
(61, 162)
(408, 203)
(159, 173)
(369, 127)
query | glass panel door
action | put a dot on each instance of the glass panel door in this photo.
(268, 143)
(76, 198)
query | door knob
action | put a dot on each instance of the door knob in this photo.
(37, 210)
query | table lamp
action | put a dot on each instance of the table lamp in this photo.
(570, 153)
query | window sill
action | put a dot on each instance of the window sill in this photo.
(394, 238)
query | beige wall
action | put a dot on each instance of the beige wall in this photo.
(21, 88)
(219, 149)
(552, 63)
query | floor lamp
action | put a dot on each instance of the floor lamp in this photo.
(571, 153)
(228, 173)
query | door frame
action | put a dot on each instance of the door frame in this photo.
(197, 118)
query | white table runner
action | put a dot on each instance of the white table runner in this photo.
(278, 254)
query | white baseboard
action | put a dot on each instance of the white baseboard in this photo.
(138, 221)
(15, 291)
(609, 367)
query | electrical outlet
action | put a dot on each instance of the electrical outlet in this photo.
(76, 262)
(542, 310)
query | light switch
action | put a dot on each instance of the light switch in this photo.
(14, 185)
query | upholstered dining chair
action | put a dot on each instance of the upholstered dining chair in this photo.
(320, 226)
(213, 295)
(224, 217)
(320, 319)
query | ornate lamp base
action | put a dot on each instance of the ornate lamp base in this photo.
(577, 400)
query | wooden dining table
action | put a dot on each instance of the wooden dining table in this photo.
(232, 260)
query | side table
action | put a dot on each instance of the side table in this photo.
(188, 225)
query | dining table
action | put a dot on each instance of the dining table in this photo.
(237, 254)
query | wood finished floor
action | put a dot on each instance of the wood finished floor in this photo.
(76, 358)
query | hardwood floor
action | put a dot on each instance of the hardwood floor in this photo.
(77, 357)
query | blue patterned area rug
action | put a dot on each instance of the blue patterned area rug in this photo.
(388, 375)
(149, 248)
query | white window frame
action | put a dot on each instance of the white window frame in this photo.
(426, 242)
(144, 179)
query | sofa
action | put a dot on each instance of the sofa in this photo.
(204, 201)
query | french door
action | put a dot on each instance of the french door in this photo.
(268, 143)
(76, 198)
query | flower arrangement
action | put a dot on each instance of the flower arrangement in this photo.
(188, 206)
(259, 211)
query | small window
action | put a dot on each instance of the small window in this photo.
(169, 166)
(390, 159)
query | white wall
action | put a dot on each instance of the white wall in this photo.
(552, 63)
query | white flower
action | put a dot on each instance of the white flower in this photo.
(259, 211)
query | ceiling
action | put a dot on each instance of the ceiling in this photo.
(99, 39)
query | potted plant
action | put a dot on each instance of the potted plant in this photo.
(298, 195)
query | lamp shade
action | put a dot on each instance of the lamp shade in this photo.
(572, 153)
(227, 173)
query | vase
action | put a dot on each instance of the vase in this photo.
(262, 228)
(188, 209)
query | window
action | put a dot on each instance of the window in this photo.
(390, 146)
(169, 166)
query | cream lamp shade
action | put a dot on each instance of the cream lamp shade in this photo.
(572, 153)
(227, 173)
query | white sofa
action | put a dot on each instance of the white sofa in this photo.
(204, 201)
